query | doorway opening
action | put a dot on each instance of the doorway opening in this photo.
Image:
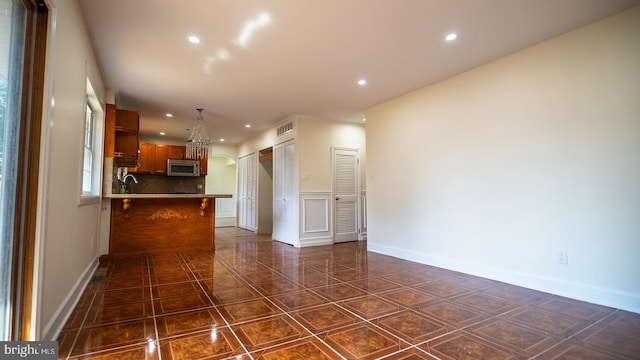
(265, 191)
(223, 181)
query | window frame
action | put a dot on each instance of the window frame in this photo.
(89, 144)
(95, 194)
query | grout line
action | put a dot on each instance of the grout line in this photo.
(569, 338)
(81, 326)
(313, 334)
(206, 293)
(153, 308)
(338, 303)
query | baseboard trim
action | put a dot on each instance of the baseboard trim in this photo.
(52, 330)
(225, 221)
(317, 241)
(582, 292)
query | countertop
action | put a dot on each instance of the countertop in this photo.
(164, 196)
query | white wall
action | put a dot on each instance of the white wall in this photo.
(495, 171)
(268, 138)
(316, 138)
(67, 232)
(221, 175)
(221, 170)
(221, 179)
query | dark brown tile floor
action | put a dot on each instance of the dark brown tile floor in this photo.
(255, 298)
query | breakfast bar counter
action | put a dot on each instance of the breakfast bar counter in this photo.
(156, 223)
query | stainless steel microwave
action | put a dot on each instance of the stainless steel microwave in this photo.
(182, 167)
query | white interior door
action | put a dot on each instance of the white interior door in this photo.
(251, 192)
(345, 191)
(246, 192)
(284, 194)
(278, 195)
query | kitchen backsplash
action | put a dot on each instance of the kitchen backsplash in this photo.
(159, 184)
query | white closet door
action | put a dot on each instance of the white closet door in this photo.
(278, 194)
(284, 194)
(345, 165)
(290, 195)
(251, 192)
(241, 167)
(246, 192)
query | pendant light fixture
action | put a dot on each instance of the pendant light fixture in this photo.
(198, 143)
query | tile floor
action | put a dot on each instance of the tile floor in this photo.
(255, 298)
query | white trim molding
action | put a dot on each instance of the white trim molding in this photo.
(582, 292)
(52, 330)
(363, 215)
(225, 212)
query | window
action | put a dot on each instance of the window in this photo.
(87, 167)
(92, 151)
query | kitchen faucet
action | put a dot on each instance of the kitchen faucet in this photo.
(124, 181)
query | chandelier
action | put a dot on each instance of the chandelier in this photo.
(198, 143)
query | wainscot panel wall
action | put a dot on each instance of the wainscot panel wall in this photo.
(316, 219)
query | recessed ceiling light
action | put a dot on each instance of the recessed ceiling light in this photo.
(364, 119)
(168, 115)
(163, 133)
(222, 140)
(362, 82)
(247, 126)
(194, 39)
(451, 37)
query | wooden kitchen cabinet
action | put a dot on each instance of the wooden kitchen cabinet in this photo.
(175, 151)
(109, 130)
(145, 157)
(146, 153)
(127, 124)
(121, 135)
(160, 159)
(152, 158)
(204, 165)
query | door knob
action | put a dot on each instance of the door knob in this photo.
(337, 198)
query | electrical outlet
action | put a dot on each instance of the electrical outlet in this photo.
(563, 258)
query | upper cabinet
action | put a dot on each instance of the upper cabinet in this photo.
(121, 135)
(145, 158)
(160, 160)
(175, 151)
(121, 142)
(204, 165)
(153, 158)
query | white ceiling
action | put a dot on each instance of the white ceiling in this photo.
(308, 58)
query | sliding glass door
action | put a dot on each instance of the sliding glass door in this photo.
(23, 34)
(12, 40)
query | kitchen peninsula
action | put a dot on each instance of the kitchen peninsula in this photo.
(156, 223)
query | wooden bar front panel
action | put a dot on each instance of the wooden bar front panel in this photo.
(161, 225)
